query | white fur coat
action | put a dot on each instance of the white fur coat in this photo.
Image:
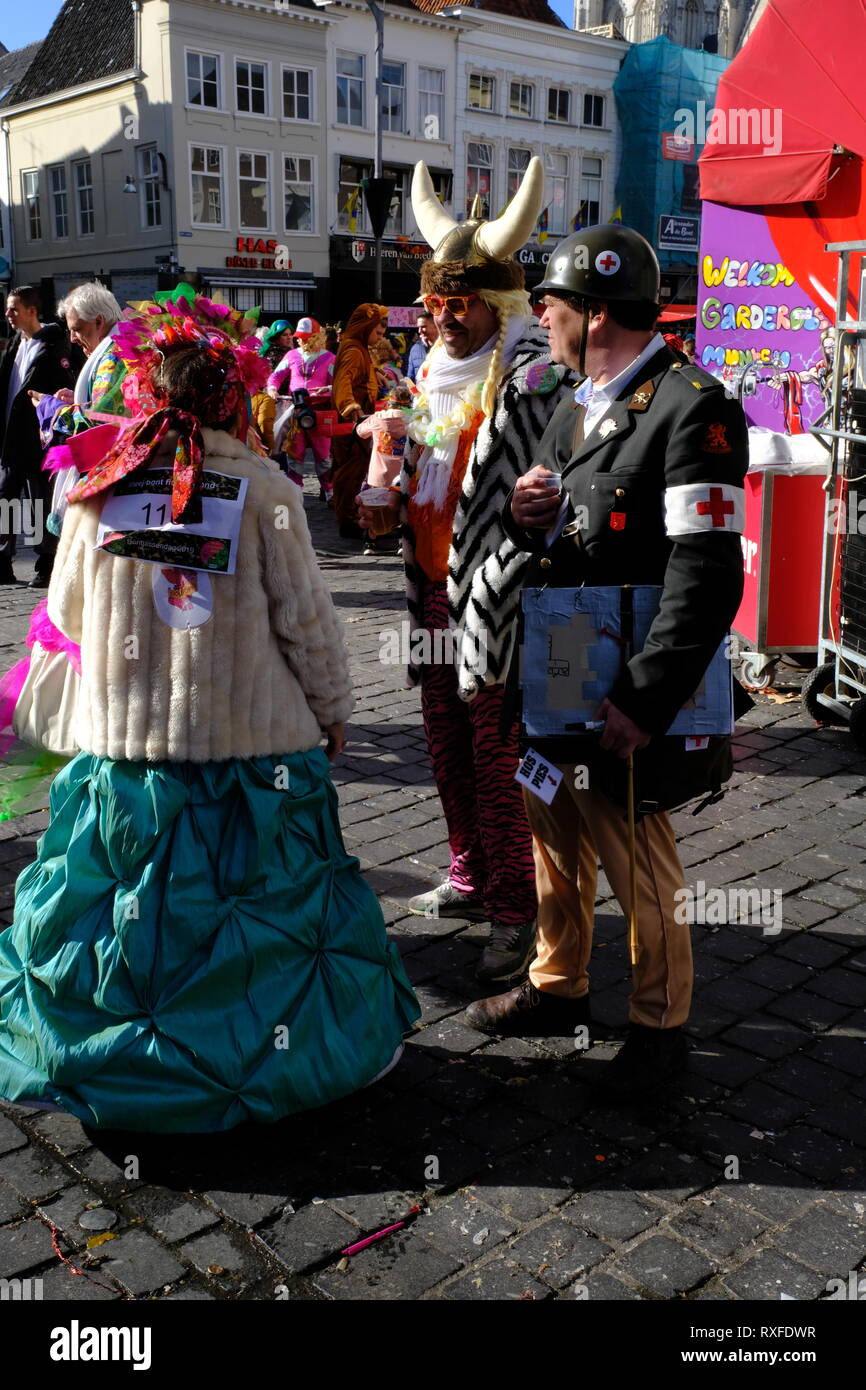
(263, 675)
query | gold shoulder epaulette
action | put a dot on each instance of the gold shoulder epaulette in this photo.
(696, 377)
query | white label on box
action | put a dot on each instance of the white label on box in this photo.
(136, 522)
(539, 776)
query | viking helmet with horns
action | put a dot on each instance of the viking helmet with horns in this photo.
(475, 254)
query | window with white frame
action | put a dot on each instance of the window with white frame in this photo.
(431, 103)
(590, 190)
(482, 91)
(351, 211)
(518, 163)
(298, 193)
(393, 101)
(32, 206)
(251, 87)
(443, 181)
(559, 104)
(59, 204)
(593, 110)
(520, 99)
(556, 187)
(479, 175)
(350, 89)
(279, 302)
(395, 226)
(208, 197)
(84, 197)
(254, 189)
(148, 186)
(203, 80)
(297, 94)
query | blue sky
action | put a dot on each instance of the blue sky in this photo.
(25, 23)
(22, 24)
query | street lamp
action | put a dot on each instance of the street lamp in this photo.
(378, 191)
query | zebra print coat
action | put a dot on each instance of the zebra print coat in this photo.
(485, 568)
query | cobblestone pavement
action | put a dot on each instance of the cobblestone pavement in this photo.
(749, 1184)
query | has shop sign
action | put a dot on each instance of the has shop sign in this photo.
(254, 253)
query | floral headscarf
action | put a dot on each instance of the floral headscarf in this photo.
(145, 336)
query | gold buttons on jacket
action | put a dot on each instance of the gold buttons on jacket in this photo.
(544, 562)
(620, 492)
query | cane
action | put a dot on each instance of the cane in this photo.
(632, 864)
(626, 612)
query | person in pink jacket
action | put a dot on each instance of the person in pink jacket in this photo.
(308, 367)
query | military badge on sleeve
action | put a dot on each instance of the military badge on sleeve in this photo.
(716, 441)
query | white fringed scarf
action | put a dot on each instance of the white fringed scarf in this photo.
(448, 381)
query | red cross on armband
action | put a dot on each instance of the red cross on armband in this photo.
(694, 507)
(716, 507)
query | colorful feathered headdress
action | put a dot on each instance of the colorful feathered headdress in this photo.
(148, 333)
(180, 318)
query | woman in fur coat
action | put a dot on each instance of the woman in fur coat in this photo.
(355, 391)
(193, 948)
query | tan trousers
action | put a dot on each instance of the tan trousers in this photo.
(569, 837)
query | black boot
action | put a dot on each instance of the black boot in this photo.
(649, 1059)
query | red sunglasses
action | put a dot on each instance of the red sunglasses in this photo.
(454, 303)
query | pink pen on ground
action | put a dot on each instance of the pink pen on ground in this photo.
(378, 1235)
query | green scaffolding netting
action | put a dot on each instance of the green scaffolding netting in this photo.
(657, 80)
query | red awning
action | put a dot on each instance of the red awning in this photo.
(677, 313)
(805, 61)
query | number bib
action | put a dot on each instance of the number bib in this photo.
(136, 522)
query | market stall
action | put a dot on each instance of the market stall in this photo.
(782, 173)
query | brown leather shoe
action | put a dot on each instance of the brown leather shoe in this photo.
(529, 1013)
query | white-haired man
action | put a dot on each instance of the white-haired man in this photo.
(91, 313)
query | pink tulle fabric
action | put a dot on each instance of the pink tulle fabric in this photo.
(11, 685)
(84, 451)
(43, 631)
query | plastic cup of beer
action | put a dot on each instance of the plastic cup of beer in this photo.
(554, 480)
(379, 501)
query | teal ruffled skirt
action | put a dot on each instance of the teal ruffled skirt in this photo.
(193, 948)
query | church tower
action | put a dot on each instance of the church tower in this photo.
(713, 25)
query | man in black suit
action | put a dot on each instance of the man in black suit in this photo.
(652, 455)
(37, 358)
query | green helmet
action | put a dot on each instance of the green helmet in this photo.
(606, 262)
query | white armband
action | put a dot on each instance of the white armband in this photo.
(704, 507)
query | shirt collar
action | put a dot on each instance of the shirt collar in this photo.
(612, 389)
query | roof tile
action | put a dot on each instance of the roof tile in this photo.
(89, 39)
(536, 11)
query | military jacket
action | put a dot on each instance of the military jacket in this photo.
(655, 495)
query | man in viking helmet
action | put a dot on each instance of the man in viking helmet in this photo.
(487, 391)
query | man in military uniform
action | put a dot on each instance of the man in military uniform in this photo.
(652, 455)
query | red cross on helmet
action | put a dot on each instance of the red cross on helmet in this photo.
(606, 262)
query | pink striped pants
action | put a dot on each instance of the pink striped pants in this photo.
(474, 767)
